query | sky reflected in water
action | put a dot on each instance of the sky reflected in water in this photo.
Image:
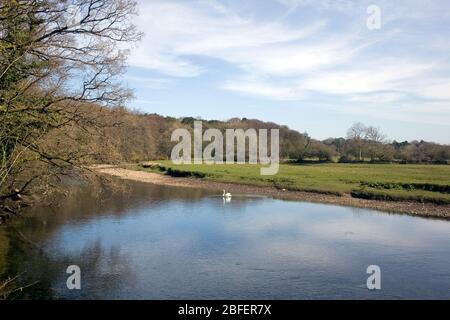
(158, 242)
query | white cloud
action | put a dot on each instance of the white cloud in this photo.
(341, 5)
(437, 89)
(289, 59)
(285, 59)
(412, 112)
(370, 78)
(264, 89)
(168, 64)
(380, 97)
(176, 31)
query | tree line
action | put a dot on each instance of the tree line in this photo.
(142, 137)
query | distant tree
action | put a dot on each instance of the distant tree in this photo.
(321, 151)
(304, 145)
(399, 145)
(338, 143)
(188, 121)
(374, 134)
(365, 139)
(357, 134)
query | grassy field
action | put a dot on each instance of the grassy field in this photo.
(423, 183)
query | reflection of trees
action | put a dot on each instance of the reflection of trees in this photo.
(24, 255)
(4, 244)
(102, 272)
(91, 202)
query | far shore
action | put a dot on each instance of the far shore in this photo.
(412, 208)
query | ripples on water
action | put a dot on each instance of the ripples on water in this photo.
(158, 242)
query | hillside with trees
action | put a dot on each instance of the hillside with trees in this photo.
(142, 137)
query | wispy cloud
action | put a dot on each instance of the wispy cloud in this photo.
(309, 59)
(176, 31)
(262, 88)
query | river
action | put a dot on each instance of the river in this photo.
(159, 242)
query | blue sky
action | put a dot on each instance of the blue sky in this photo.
(312, 65)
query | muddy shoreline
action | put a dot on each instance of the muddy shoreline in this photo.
(428, 210)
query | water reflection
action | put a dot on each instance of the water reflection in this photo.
(157, 242)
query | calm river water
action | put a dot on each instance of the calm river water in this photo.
(157, 242)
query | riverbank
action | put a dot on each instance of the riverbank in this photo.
(404, 207)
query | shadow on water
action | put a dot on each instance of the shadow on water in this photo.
(22, 242)
(157, 242)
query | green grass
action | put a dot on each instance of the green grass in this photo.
(424, 183)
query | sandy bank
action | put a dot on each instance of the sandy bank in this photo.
(405, 207)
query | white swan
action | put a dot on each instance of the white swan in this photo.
(226, 195)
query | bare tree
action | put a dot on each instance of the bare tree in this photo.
(357, 133)
(57, 58)
(374, 134)
(368, 139)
